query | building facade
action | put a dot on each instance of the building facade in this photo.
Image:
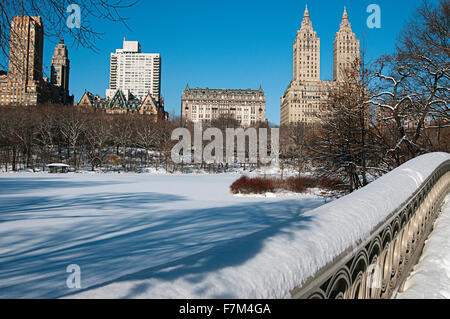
(60, 69)
(134, 84)
(125, 103)
(246, 106)
(24, 83)
(306, 52)
(135, 72)
(304, 97)
(345, 49)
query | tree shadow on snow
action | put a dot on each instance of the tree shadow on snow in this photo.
(227, 251)
(13, 186)
(139, 244)
(33, 207)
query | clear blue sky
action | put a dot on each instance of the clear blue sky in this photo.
(229, 44)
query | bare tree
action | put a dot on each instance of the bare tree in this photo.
(80, 136)
(394, 110)
(72, 126)
(122, 132)
(342, 144)
(8, 142)
(146, 134)
(424, 48)
(47, 128)
(163, 142)
(414, 84)
(23, 129)
(98, 137)
(295, 137)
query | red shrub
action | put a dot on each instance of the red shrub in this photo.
(255, 185)
(298, 184)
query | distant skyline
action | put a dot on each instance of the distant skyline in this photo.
(232, 45)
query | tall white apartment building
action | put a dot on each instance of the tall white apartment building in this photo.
(135, 72)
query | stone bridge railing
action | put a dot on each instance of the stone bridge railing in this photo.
(377, 266)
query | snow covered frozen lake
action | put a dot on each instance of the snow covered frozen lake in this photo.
(130, 233)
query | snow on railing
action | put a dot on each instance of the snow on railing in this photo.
(374, 235)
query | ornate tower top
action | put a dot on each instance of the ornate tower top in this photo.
(306, 58)
(306, 21)
(345, 24)
(345, 48)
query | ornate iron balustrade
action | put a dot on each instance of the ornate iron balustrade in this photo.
(378, 266)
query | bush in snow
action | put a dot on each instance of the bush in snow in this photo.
(298, 184)
(255, 185)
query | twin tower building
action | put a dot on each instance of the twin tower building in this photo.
(302, 99)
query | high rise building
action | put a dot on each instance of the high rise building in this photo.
(306, 52)
(345, 48)
(59, 73)
(306, 93)
(26, 49)
(135, 72)
(246, 106)
(23, 84)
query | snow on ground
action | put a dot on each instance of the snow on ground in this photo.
(113, 225)
(179, 236)
(270, 262)
(430, 278)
